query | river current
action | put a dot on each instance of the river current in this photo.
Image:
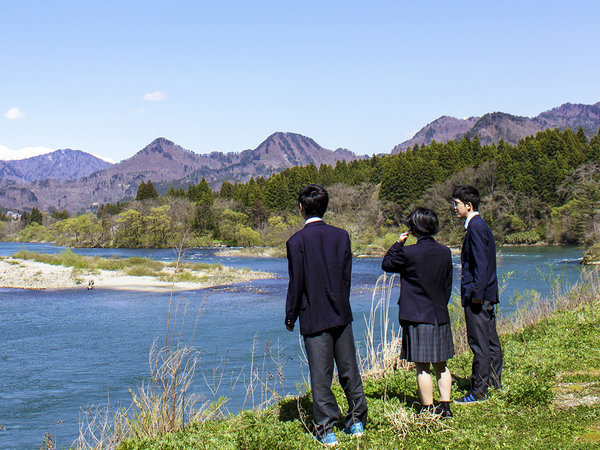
(62, 351)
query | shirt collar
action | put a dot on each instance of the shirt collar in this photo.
(312, 219)
(469, 217)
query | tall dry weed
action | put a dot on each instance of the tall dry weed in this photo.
(383, 340)
(162, 404)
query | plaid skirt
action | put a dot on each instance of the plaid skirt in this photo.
(426, 342)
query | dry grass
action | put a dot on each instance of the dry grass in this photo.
(531, 307)
(404, 420)
(265, 385)
(383, 341)
(164, 403)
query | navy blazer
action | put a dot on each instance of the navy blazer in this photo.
(478, 257)
(319, 266)
(426, 283)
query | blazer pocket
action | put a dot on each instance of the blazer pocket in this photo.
(303, 303)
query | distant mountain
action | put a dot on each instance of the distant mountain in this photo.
(444, 129)
(572, 116)
(59, 165)
(492, 127)
(278, 152)
(166, 164)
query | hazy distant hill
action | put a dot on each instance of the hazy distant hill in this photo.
(166, 164)
(492, 127)
(60, 165)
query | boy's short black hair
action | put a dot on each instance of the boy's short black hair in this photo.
(314, 200)
(423, 221)
(467, 194)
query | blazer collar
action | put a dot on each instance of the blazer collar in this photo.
(471, 217)
(425, 239)
(316, 223)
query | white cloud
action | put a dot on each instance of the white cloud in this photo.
(155, 96)
(14, 113)
(140, 111)
(22, 153)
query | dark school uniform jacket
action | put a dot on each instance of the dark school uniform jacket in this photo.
(319, 266)
(426, 283)
(478, 258)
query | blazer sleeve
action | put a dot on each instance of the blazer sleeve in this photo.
(394, 259)
(347, 264)
(479, 249)
(296, 284)
(448, 284)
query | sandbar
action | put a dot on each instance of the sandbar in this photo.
(26, 274)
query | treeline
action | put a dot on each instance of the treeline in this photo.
(546, 188)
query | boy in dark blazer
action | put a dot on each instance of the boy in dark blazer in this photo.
(479, 295)
(319, 266)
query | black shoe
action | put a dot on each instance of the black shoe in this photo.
(443, 410)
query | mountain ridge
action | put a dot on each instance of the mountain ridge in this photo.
(166, 163)
(492, 127)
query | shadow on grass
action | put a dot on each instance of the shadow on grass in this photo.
(290, 408)
(461, 383)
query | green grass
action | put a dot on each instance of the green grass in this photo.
(550, 400)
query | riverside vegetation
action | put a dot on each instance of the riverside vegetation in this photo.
(550, 397)
(546, 189)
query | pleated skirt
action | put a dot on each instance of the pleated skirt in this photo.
(426, 342)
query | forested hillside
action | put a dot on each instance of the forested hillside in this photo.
(545, 189)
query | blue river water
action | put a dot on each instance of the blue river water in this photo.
(62, 351)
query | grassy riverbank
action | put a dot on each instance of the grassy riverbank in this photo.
(551, 396)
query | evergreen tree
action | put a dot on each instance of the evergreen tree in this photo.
(581, 136)
(61, 215)
(146, 191)
(36, 216)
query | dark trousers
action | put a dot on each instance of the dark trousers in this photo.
(322, 349)
(484, 342)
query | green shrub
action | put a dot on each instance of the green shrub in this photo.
(34, 232)
(523, 237)
(247, 237)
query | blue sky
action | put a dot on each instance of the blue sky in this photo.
(108, 77)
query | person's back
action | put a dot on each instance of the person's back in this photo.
(327, 265)
(426, 283)
(319, 267)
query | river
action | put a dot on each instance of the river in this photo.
(65, 350)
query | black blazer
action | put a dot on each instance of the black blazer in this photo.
(426, 283)
(319, 266)
(478, 258)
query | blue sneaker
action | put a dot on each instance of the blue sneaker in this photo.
(468, 399)
(329, 440)
(356, 429)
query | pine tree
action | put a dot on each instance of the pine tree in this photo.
(146, 191)
(36, 216)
